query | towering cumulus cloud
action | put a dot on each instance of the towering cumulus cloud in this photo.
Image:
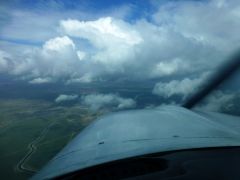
(114, 40)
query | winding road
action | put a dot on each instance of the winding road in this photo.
(21, 166)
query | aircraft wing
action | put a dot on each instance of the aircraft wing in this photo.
(139, 132)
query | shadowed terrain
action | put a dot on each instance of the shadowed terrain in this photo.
(33, 131)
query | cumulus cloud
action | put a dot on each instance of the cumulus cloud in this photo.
(183, 87)
(64, 97)
(113, 101)
(181, 38)
(57, 59)
(102, 32)
(212, 23)
(86, 78)
(168, 68)
(59, 44)
(113, 39)
(219, 101)
(40, 81)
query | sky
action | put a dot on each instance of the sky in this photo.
(87, 41)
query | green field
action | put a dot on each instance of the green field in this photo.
(23, 121)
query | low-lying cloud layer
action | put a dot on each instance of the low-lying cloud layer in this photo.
(184, 87)
(65, 97)
(112, 101)
(219, 100)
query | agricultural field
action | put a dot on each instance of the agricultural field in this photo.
(33, 131)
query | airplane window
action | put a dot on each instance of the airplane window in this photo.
(65, 63)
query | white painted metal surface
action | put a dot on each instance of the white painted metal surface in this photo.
(133, 133)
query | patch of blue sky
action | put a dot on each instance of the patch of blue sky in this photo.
(139, 8)
(22, 41)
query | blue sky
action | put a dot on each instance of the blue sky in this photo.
(78, 4)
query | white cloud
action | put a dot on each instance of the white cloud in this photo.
(183, 87)
(113, 39)
(40, 80)
(183, 38)
(86, 78)
(113, 101)
(212, 23)
(169, 68)
(81, 55)
(102, 32)
(55, 60)
(64, 97)
(219, 101)
(58, 44)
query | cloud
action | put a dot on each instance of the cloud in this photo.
(20, 19)
(217, 101)
(56, 60)
(64, 97)
(81, 55)
(183, 87)
(86, 78)
(22, 24)
(102, 32)
(40, 81)
(4, 61)
(58, 44)
(168, 68)
(113, 101)
(213, 23)
(180, 38)
(105, 34)
(220, 101)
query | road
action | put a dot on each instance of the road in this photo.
(32, 147)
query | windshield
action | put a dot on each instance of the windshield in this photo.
(225, 98)
(65, 63)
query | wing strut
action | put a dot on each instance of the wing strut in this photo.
(222, 74)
